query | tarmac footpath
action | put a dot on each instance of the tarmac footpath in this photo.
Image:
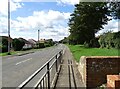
(69, 76)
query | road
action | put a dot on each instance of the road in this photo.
(17, 69)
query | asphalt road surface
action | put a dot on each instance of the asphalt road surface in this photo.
(17, 69)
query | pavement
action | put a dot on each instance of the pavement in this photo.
(63, 79)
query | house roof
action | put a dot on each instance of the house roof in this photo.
(5, 37)
(26, 42)
(32, 41)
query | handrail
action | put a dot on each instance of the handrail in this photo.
(38, 71)
(40, 80)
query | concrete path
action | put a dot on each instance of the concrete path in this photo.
(63, 79)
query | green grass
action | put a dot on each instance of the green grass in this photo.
(6, 53)
(80, 50)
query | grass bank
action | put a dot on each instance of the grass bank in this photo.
(80, 50)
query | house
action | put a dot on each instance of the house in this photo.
(42, 41)
(33, 42)
(27, 45)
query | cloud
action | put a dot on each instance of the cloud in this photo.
(4, 13)
(52, 24)
(13, 6)
(111, 26)
(68, 2)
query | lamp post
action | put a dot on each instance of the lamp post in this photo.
(8, 26)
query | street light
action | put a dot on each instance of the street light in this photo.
(8, 26)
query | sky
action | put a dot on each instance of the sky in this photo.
(49, 16)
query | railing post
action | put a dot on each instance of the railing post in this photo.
(56, 64)
(60, 56)
(48, 72)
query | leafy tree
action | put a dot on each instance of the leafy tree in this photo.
(115, 9)
(87, 19)
(4, 44)
(65, 40)
(18, 44)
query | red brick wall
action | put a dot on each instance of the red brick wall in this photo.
(113, 81)
(97, 69)
(117, 84)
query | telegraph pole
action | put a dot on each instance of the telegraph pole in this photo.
(9, 27)
(38, 38)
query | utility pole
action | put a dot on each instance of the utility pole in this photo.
(38, 38)
(9, 27)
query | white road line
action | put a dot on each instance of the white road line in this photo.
(23, 61)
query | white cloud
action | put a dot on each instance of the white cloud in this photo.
(4, 13)
(68, 2)
(13, 6)
(111, 26)
(52, 24)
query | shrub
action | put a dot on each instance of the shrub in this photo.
(117, 43)
(41, 45)
(18, 44)
(4, 48)
(86, 45)
(47, 45)
(94, 43)
(4, 45)
(102, 41)
(110, 40)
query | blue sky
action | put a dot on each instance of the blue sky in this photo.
(29, 7)
(49, 16)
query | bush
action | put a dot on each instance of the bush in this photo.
(4, 48)
(94, 43)
(86, 45)
(47, 45)
(102, 41)
(41, 45)
(18, 44)
(117, 43)
(4, 45)
(110, 40)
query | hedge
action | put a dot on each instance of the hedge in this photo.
(110, 40)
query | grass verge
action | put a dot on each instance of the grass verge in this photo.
(23, 51)
(80, 50)
(6, 53)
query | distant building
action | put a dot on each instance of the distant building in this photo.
(42, 41)
(33, 42)
(27, 43)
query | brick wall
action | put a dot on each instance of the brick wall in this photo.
(113, 81)
(94, 69)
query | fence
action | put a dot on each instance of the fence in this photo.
(48, 78)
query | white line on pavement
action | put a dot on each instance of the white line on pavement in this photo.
(23, 61)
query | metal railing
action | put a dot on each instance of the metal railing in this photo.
(52, 67)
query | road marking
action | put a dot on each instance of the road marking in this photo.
(23, 61)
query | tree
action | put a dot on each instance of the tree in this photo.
(4, 45)
(115, 9)
(87, 19)
(18, 44)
